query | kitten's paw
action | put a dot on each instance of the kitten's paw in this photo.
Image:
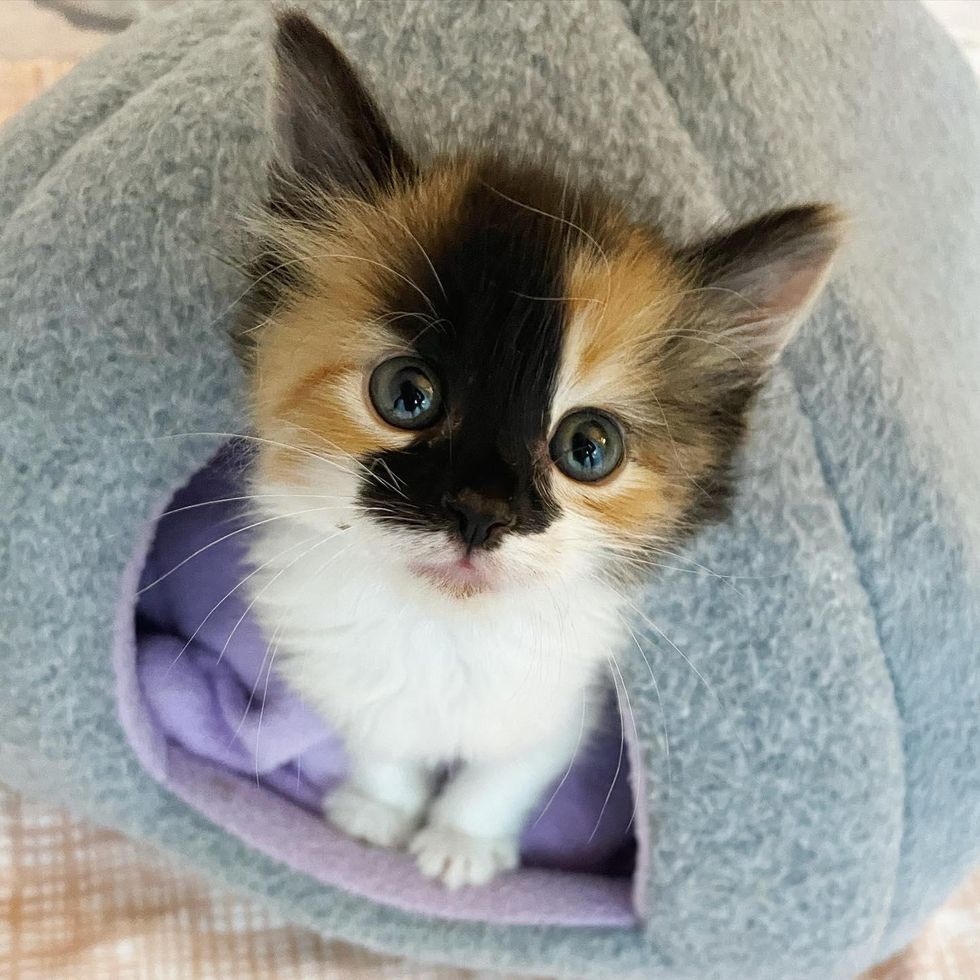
(364, 818)
(459, 859)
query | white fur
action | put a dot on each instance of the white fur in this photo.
(501, 682)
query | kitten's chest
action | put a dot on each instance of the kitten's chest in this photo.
(408, 685)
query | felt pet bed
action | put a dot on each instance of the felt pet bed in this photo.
(802, 743)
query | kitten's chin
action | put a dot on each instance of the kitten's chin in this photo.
(459, 578)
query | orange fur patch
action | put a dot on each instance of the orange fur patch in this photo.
(312, 358)
(622, 303)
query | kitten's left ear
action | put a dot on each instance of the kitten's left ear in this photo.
(760, 280)
(331, 132)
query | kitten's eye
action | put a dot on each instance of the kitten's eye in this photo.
(405, 393)
(587, 445)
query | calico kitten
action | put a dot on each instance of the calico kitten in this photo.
(484, 401)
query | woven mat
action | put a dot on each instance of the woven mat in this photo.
(81, 903)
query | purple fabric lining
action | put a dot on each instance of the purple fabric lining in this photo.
(209, 721)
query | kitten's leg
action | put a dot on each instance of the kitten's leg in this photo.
(474, 826)
(381, 802)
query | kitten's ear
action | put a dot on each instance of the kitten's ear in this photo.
(330, 131)
(760, 280)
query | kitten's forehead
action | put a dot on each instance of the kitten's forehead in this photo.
(514, 285)
(509, 282)
(493, 316)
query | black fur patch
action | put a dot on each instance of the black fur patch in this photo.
(493, 333)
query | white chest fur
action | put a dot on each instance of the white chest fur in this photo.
(407, 677)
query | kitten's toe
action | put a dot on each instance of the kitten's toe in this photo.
(459, 859)
(367, 819)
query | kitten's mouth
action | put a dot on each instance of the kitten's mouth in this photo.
(461, 577)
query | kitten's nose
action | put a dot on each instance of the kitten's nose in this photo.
(481, 520)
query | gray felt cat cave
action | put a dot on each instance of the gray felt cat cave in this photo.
(801, 788)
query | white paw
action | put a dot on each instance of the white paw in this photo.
(459, 859)
(364, 818)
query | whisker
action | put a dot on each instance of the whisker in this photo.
(636, 731)
(661, 566)
(367, 469)
(251, 697)
(641, 562)
(396, 481)
(250, 438)
(247, 291)
(225, 537)
(688, 661)
(425, 254)
(231, 592)
(673, 445)
(643, 543)
(705, 337)
(719, 289)
(393, 316)
(265, 697)
(568, 770)
(660, 702)
(431, 325)
(262, 591)
(556, 299)
(568, 223)
(265, 692)
(388, 216)
(250, 496)
(314, 256)
(727, 579)
(619, 769)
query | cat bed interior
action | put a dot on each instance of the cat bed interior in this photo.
(805, 762)
(208, 716)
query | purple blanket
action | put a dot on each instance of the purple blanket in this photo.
(202, 672)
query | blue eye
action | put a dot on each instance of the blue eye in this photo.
(405, 393)
(587, 445)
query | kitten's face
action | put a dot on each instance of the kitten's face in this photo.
(496, 381)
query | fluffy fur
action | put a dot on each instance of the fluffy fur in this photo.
(527, 299)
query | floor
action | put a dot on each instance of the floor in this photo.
(77, 901)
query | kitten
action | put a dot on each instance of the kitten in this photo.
(483, 402)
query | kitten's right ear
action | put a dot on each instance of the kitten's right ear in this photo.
(330, 131)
